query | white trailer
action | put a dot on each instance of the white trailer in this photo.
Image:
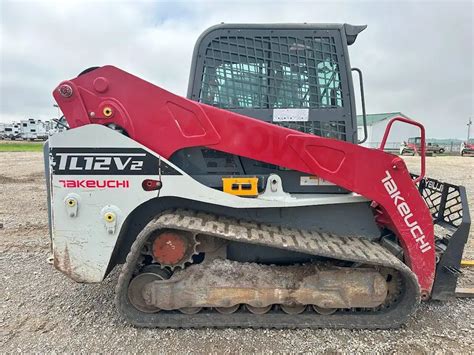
(32, 129)
(11, 131)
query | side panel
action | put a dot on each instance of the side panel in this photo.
(96, 173)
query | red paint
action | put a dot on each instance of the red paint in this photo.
(151, 185)
(101, 84)
(413, 146)
(95, 184)
(165, 123)
(468, 145)
(169, 248)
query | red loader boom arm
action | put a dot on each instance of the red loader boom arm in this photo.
(165, 123)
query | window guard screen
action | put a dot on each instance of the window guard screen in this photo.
(271, 72)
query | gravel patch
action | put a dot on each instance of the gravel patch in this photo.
(44, 311)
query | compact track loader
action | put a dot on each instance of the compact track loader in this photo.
(249, 203)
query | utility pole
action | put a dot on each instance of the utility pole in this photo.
(469, 124)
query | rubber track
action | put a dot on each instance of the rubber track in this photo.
(348, 248)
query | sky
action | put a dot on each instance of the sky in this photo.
(416, 56)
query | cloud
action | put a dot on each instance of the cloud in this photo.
(417, 57)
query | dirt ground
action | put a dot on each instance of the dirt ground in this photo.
(44, 311)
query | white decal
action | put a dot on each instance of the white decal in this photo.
(290, 115)
(405, 211)
(90, 162)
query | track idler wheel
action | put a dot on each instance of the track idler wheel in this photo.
(135, 288)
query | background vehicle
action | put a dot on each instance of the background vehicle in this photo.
(467, 147)
(265, 214)
(11, 131)
(32, 129)
(413, 146)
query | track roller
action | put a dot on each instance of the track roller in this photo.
(324, 311)
(227, 310)
(190, 310)
(258, 310)
(296, 309)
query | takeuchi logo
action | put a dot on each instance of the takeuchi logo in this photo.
(405, 211)
(95, 184)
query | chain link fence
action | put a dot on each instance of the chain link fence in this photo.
(452, 148)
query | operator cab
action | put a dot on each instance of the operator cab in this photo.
(293, 75)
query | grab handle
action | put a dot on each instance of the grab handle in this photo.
(362, 99)
(423, 141)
